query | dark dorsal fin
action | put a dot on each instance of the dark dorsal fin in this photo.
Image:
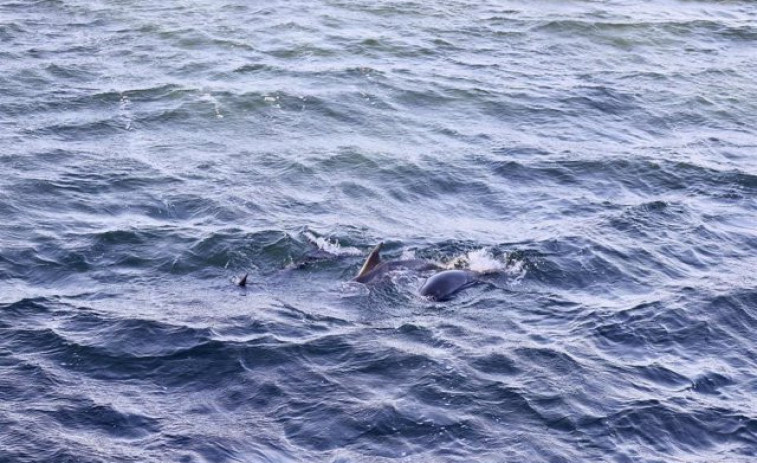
(371, 262)
(242, 281)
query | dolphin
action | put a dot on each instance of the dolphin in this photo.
(438, 287)
(374, 269)
(445, 284)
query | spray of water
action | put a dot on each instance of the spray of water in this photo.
(483, 261)
(332, 247)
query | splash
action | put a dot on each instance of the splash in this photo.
(332, 247)
(482, 261)
(516, 269)
(216, 104)
(408, 254)
(125, 111)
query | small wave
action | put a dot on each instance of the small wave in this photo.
(332, 247)
(89, 417)
(408, 254)
(216, 104)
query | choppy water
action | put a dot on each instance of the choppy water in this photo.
(600, 155)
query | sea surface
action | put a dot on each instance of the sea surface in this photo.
(595, 161)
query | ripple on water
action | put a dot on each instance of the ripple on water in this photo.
(597, 157)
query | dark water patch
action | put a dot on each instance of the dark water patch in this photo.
(603, 99)
(517, 152)
(86, 104)
(131, 349)
(101, 128)
(75, 187)
(326, 350)
(92, 418)
(30, 307)
(422, 335)
(666, 428)
(177, 115)
(111, 238)
(387, 423)
(133, 338)
(709, 383)
(255, 68)
(66, 103)
(268, 251)
(660, 326)
(549, 359)
(79, 255)
(258, 395)
(393, 47)
(407, 429)
(23, 380)
(315, 321)
(551, 174)
(661, 375)
(451, 183)
(579, 263)
(640, 32)
(133, 177)
(495, 401)
(733, 312)
(73, 73)
(26, 447)
(165, 92)
(745, 33)
(655, 218)
(199, 447)
(10, 31)
(300, 52)
(198, 367)
(399, 9)
(179, 207)
(495, 364)
(384, 367)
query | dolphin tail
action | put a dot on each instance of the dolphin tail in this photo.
(372, 261)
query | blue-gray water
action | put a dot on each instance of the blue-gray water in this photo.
(600, 155)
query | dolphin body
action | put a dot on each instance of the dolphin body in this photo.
(445, 284)
(374, 269)
(439, 287)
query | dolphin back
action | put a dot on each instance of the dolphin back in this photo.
(382, 269)
(445, 284)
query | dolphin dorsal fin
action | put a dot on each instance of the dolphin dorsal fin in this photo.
(372, 261)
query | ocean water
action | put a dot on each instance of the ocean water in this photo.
(595, 160)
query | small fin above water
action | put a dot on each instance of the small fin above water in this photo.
(374, 258)
(243, 281)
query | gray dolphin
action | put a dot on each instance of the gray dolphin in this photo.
(438, 287)
(445, 284)
(374, 269)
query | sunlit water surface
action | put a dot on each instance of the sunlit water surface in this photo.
(596, 158)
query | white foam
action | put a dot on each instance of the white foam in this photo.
(482, 261)
(332, 247)
(216, 104)
(408, 254)
(123, 109)
(517, 270)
